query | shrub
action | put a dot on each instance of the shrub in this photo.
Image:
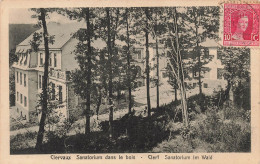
(230, 112)
(199, 103)
(54, 143)
(207, 130)
(235, 138)
(176, 145)
(224, 136)
(22, 141)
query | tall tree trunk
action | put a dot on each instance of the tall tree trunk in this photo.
(110, 84)
(184, 105)
(198, 55)
(157, 63)
(45, 81)
(181, 76)
(118, 91)
(99, 102)
(157, 69)
(147, 63)
(175, 92)
(89, 73)
(128, 64)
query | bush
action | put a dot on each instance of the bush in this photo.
(199, 103)
(207, 129)
(235, 138)
(230, 112)
(22, 142)
(224, 136)
(176, 145)
(54, 143)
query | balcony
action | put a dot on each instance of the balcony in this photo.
(66, 76)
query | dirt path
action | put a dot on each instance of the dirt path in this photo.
(166, 96)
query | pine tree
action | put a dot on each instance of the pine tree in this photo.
(127, 15)
(42, 14)
(147, 60)
(85, 54)
(198, 24)
(176, 68)
(157, 28)
(236, 72)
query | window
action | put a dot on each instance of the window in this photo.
(219, 73)
(50, 59)
(41, 59)
(194, 85)
(206, 52)
(25, 101)
(17, 77)
(195, 73)
(60, 94)
(52, 91)
(164, 74)
(21, 78)
(205, 85)
(219, 56)
(138, 54)
(25, 60)
(24, 76)
(55, 60)
(17, 96)
(40, 81)
(161, 41)
(139, 71)
(185, 84)
(21, 58)
(206, 72)
(21, 98)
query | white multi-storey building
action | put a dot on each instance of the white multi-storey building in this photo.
(29, 69)
(211, 72)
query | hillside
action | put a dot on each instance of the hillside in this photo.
(18, 32)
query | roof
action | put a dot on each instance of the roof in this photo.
(62, 33)
(209, 43)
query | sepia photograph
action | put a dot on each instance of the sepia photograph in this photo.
(127, 80)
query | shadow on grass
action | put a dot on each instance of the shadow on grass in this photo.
(131, 134)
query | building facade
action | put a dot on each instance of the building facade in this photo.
(30, 67)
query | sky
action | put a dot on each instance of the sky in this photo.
(23, 16)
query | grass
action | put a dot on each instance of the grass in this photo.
(217, 129)
(16, 125)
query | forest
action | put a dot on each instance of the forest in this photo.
(199, 122)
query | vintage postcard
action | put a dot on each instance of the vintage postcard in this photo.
(130, 81)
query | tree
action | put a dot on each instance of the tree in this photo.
(236, 71)
(157, 28)
(89, 71)
(127, 33)
(42, 14)
(85, 55)
(175, 63)
(108, 31)
(12, 59)
(198, 24)
(147, 67)
(127, 15)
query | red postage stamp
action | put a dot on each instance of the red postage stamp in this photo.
(241, 24)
